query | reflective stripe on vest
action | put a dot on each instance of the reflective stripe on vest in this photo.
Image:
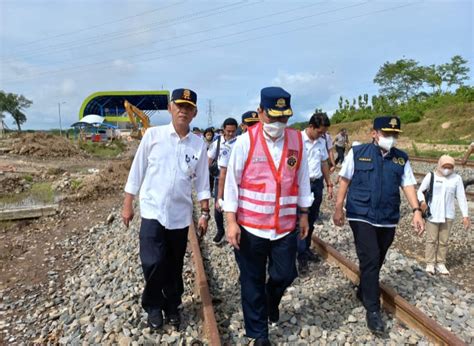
(268, 195)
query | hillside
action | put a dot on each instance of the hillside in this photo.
(445, 129)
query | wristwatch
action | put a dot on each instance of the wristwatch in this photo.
(417, 209)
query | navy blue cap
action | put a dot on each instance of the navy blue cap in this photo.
(276, 101)
(387, 124)
(184, 96)
(250, 118)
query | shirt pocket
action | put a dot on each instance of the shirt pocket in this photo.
(187, 163)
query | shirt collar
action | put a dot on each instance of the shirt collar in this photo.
(172, 131)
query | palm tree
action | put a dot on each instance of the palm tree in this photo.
(14, 104)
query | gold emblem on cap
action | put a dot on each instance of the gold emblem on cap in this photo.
(186, 94)
(254, 115)
(281, 103)
(393, 122)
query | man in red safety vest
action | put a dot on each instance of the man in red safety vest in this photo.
(266, 193)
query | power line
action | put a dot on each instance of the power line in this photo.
(228, 43)
(115, 35)
(99, 25)
(226, 36)
(196, 32)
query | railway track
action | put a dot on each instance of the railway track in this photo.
(469, 164)
(391, 301)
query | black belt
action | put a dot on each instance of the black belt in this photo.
(312, 180)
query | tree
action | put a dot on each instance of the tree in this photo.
(456, 72)
(433, 76)
(14, 105)
(400, 80)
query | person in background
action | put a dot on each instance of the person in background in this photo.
(341, 142)
(220, 148)
(267, 180)
(197, 131)
(447, 186)
(168, 162)
(371, 177)
(208, 136)
(249, 119)
(317, 154)
(329, 146)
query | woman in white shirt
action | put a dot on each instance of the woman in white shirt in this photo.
(447, 185)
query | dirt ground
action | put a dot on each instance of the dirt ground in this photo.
(87, 190)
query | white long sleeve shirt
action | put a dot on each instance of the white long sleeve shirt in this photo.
(445, 190)
(317, 153)
(163, 170)
(235, 169)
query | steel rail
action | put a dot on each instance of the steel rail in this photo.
(202, 288)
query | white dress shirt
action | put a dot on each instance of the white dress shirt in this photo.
(163, 170)
(347, 171)
(224, 155)
(235, 169)
(445, 190)
(317, 153)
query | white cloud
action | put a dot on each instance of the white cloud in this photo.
(123, 65)
(68, 87)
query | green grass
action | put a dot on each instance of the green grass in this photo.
(39, 193)
(434, 153)
(103, 150)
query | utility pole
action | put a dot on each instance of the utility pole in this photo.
(209, 113)
(59, 112)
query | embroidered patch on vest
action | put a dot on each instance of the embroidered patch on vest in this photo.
(401, 161)
(366, 159)
(292, 158)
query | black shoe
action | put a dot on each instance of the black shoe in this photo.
(172, 317)
(262, 342)
(155, 319)
(374, 321)
(273, 314)
(217, 239)
(302, 265)
(359, 293)
(312, 257)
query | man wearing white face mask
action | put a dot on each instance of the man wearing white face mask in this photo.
(267, 180)
(371, 176)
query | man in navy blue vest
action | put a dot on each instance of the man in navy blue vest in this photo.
(371, 176)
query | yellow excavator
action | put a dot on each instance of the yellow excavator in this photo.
(134, 113)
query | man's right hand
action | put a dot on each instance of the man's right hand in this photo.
(423, 206)
(233, 234)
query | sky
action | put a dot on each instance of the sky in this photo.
(60, 52)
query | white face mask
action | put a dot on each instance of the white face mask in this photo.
(447, 171)
(387, 143)
(275, 129)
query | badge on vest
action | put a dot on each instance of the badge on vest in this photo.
(365, 159)
(292, 160)
(399, 160)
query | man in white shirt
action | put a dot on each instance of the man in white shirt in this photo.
(267, 179)
(317, 154)
(168, 161)
(371, 176)
(218, 151)
(249, 118)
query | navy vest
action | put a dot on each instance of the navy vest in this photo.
(374, 193)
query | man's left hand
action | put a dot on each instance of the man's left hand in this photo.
(202, 226)
(304, 226)
(418, 223)
(330, 192)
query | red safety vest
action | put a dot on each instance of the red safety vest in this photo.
(268, 195)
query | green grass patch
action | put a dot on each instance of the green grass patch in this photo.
(433, 153)
(28, 178)
(39, 193)
(103, 150)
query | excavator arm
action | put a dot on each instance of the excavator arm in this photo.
(133, 113)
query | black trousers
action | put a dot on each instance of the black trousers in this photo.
(340, 154)
(162, 254)
(371, 244)
(257, 293)
(218, 215)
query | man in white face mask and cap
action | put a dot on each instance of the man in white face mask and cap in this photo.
(267, 181)
(371, 176)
